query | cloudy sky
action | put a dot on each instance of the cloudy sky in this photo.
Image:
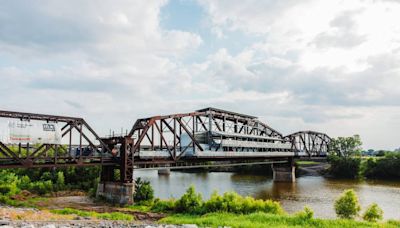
(331, 66)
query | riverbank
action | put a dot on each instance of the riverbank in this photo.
(44, 218)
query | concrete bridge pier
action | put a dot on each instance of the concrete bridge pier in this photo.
(166, 171)
(112, 190)
(118, 191)
(284, 172)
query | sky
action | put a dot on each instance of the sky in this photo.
(330, 66)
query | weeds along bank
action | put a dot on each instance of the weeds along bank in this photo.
(231, 209)
(19, 183)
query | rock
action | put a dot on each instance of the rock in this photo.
(4, 222)
(169, 226)
(49, 226)
(189, 226)
(6, 226)
(27, 226)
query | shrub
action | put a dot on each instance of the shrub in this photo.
(386, 168)
(24, 183)
(190, 202)
(60, 182)
(373, 213)
(234, 203)
(346, 167)
(347, 206)
(143, 191)
(306, 214)
(41, 187)
(5, 189)
(46, 176)
(163, 205)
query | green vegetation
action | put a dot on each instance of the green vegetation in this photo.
(344, 167)
(230, 202)
(306, 214)
(386, 167)
(18, 185)
(347, 206)
(261, 219)
(346, 146)
(190, 202)
(143, 191)
(346, 161)
(300, 163)
(106, 216)
(373, 213)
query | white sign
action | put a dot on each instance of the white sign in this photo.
(28, 132)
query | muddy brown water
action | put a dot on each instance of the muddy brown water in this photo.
(315, 191)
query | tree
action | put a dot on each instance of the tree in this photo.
(346, 146)
(347, 206)
(373, 213)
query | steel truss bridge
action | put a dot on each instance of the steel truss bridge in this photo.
(194, 139)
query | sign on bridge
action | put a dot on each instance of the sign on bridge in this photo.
(30, 132)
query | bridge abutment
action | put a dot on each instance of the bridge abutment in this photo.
(284, 172)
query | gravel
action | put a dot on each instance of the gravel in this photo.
(86, 224)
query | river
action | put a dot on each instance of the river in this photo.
(315, 191)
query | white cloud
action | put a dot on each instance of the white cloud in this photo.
(313, 64)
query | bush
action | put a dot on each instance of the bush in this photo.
(234, 203)
(373, 213)
(306, 214)
(60, 182)
(41, 187)
(347, 206)
(143, 191)
(24, 183)
(345, 167)
(385, 168)
(163, 205)
(190, 202)
(5, 189)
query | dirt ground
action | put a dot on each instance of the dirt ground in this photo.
(76, 201)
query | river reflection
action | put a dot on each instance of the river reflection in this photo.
(317, 192)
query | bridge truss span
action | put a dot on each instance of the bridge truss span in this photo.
(210, 133)
(310, 143)
(74, 142)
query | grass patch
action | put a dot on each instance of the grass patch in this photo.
(141, 208)
(261, 219)
(106, 216)
(307, 163)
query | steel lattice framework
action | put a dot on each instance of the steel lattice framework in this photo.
(310, 143)
(171, 140)
(50, 155)
(164, 133)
